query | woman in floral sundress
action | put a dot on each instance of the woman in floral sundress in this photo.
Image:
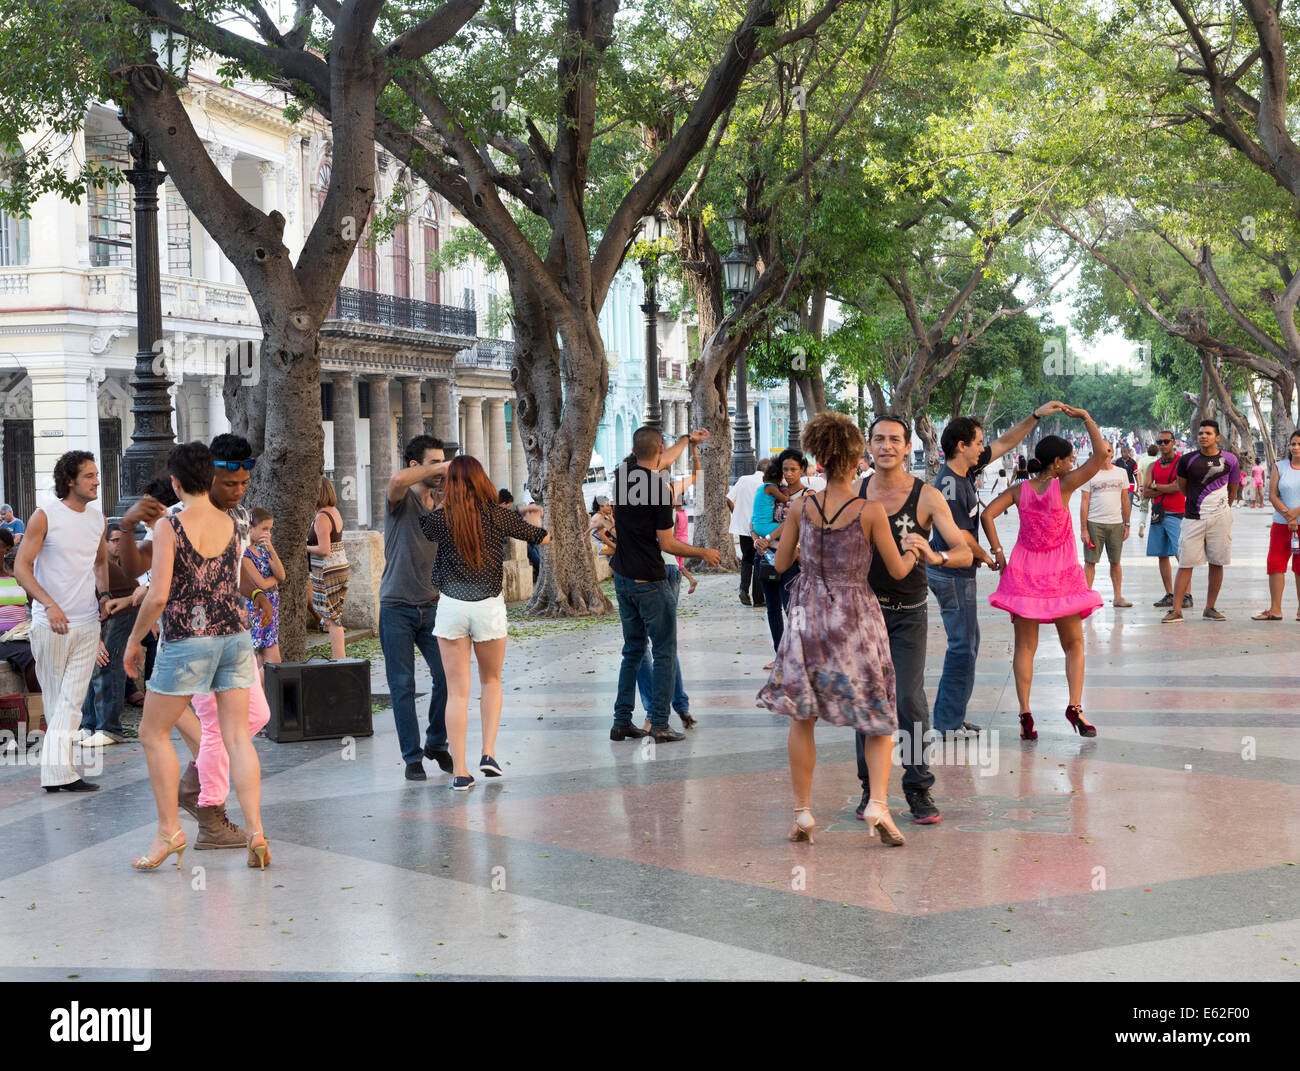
(834, 662)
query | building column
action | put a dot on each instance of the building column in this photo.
(497, 438)
(270, 186)
(345, 446)
(218, 424)
(224, 157)
(381, 448)
(442, 403)
(60, 419)
(473, 429)
(518, 457)
(412, 411)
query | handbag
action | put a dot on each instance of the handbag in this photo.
(1157, 513)
(767, 573)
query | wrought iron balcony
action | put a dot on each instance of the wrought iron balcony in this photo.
(488, 353)
(368, 307)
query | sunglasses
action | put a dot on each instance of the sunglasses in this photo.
(235, 466)
(1164, 442)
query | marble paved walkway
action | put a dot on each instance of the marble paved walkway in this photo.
(1166, 848)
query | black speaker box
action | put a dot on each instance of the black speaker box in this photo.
(318, 700)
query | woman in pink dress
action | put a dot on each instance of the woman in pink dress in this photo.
(1043, 582)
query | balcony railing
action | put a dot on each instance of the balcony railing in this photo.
(488, 353)
(368, 307)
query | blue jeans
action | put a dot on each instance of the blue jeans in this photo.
(776, 597)
(649, 613)
(106, 695)
(957, 607)
(401, 630)
(907, 632)
(645, 673)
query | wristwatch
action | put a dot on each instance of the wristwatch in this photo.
(944, 555)
(1035, 415)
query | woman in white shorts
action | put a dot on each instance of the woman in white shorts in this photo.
(470, 529)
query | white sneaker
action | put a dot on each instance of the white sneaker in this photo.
(99, 739)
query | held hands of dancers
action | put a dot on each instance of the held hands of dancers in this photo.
(924, 552)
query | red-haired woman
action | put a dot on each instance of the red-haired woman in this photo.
(470, 529)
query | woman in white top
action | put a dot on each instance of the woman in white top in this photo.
(1284, 493)
(999, 485)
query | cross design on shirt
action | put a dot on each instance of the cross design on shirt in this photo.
(904, 525)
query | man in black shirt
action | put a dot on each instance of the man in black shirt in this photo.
(965, 457)
(911, 507)
(647, 603)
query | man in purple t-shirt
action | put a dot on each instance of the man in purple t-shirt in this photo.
(1211, 480)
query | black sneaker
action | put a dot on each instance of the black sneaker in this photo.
(79, 785)
(924, 812)
(442, 758)
(1167, 602)
(862, 805)
(415, 771)
(745, 599)
(667, 736)
(488, 767)
(626, 732)
(462, 784)
(1187, 601)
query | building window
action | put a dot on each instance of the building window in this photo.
(402, 260)
(367, 261)
(109, 211)
(326, 401)
(429, 227)
(15, 248)
(322, 185)
(363, 400)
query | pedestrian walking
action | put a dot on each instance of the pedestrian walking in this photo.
(62, 563)
(1104, 507)
(740, 503)
(1283, 537)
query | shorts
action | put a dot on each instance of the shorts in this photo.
(1111, 536)
(200, 665)
(1162, 538)
(480, 621)
(1279, 549)
(1206, 539)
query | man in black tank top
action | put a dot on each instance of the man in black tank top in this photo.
(912, 507)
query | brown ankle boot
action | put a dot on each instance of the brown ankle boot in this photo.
(187, 795)
(218, 831)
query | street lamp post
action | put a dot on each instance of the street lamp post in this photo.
(738, 274)
(152, 436)
(653, 228)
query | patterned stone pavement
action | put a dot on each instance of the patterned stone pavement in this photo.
(1164, 849)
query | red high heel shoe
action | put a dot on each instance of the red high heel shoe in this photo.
(1074, 714)
(1027, 730)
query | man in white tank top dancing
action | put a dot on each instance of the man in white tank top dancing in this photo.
(62, 564)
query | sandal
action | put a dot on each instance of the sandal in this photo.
(772, 665)
(1266, 616)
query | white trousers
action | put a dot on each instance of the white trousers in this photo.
(64, 666)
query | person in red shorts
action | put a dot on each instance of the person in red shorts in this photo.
(1284, 493)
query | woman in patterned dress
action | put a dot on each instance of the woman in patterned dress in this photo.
(834, 662)
(329, 566)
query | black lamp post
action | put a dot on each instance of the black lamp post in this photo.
(792, 426)
(152, 436)
(738, 274)
(653, 228)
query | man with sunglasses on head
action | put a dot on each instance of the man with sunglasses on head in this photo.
(206, 782)
(1168, 504)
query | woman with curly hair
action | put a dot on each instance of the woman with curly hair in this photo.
(833, 661)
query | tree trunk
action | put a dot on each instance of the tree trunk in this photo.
(809, 396)
(712, 518)
(289, 465)
(929, 436)
(1237, 422)
(559, 439)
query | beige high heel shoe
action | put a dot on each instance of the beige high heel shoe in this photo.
(804, 824)
(878, 821)
(147, 863)
(259, 855)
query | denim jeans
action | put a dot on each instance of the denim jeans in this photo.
(748, 573)
(645, 674)
(649, 613)
(957, 607)
(102, 708)
(401, 630)
(776, 596)
(907, 632)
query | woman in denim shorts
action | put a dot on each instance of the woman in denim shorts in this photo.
(205, 648)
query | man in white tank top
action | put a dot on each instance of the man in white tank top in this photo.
(62, 563)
